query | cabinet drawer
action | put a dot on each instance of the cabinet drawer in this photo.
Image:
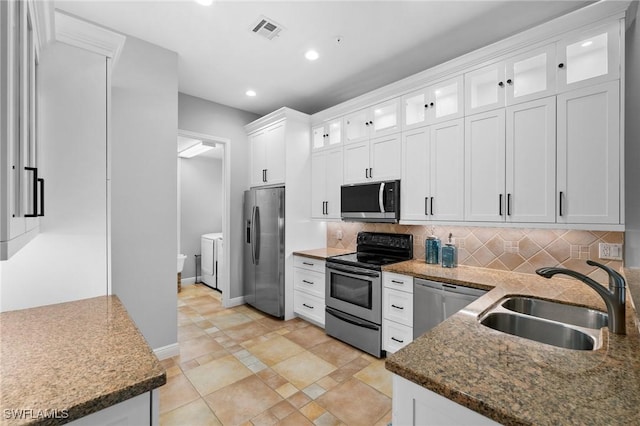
(308, 263)
(309, 307)
(397, 281)
(309, 281)
(395, 336)
(397, 306)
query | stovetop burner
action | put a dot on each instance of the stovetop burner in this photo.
(377, 249)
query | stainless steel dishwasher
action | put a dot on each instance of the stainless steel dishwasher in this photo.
(433, 302)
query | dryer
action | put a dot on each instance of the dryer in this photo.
(211, 258)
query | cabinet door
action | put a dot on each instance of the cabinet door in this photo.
(386, 159)
(531, 75)
(318, 137)
(385, 118)
(445, 101)
(318, 184)
(484, 89)
(485, 167)
(415, 174)
(258, 144)
(414, 109)
(275, 162)
(334, 171)
(589, 155)
(589, 58)
(531, 161)
(447, 171)
(334, 132)
(356, 126)
(356, 162)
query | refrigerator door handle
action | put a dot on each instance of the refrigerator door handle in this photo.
(253, 235)
(256, 234)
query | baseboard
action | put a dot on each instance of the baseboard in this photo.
(236, 301)
(167, 351)
(188, 281)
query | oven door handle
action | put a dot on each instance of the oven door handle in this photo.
(349, 271)
(350, 319)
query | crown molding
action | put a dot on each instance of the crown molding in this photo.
(85, 35)
(276, 116)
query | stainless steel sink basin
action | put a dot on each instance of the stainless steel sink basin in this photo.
(568, 314)
(551, 333)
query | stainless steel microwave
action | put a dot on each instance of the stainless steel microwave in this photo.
(371, 202)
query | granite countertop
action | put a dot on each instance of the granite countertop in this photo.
(518, 381)
(321, 253)
(72, 359)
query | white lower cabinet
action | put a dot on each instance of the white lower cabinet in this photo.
(397, 311)
(140, 410)
(416, 405)
(309, 289)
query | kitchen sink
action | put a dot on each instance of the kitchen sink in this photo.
(549, 332)
(560, 312)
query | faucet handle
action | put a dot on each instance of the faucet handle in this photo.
(615, 279)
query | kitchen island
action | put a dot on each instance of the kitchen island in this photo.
(65, 361)
(514, 380)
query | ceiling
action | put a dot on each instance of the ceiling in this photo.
(220, 58)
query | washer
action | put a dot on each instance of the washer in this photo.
(211, 258)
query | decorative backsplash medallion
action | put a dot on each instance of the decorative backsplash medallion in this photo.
(508, 249)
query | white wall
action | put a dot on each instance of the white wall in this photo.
(201, 116)
(144, 188)
(68, 259)
(632, 145)
(201, 203)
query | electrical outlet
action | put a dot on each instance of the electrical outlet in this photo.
(610, 251)
(339, 234)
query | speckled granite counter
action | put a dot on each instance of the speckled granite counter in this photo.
(77, 357)
(519, 381)
(322, 253)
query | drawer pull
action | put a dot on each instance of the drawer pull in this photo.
(397, 340)
(307, 306)
(397, 282)
(397, 307)
(308, 264)
(307, 282)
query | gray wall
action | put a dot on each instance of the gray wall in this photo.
(144, 188)
(201, 203)
(632, 145)
(201, 116)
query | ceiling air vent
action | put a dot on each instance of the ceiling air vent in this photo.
(266, 27)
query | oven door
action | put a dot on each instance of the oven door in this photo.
(355, 291)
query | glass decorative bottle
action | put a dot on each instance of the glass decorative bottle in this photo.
(449, 254)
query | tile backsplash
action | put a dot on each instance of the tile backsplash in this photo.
(509, 249)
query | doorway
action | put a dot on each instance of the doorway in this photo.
(212, 188)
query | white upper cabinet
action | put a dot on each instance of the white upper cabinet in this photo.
(436, 103)
(433, 172)
(379, 120)
(531, 162)
(326, 179)
(268, 155)
(589, 57)
(375, 160)
(531, 75)
(589, 155)
(328, 134)
(484, 88)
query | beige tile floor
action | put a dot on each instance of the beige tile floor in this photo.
(240, 367)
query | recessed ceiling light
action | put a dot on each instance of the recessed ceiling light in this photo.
(251, 93)
(587, 43)
(311, 55)
(204, 2)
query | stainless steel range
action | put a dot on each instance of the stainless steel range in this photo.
(354, 288)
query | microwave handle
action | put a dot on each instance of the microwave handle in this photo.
(381, 197)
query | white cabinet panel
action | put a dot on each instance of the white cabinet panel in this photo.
(397, 281)
(267, 155)
(397, 306)
(589, 155)
(395, 336)
(589, 58)
(446, 201)
(308, 263)
(309, 281)
(385, 161)
(309, 307)
(415, 188)
(531, 161)
(326, 179)
(356, 162)
(318, 184)
(485, 166)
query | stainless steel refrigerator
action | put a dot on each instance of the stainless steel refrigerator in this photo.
(264, 249)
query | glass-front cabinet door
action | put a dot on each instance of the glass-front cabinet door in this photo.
(385, 118)
(318, 136)
(531, 75)
(327, 134)
(414, 109)
(436, 103)
(484, 89)
(356, 126)
(590, 57)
